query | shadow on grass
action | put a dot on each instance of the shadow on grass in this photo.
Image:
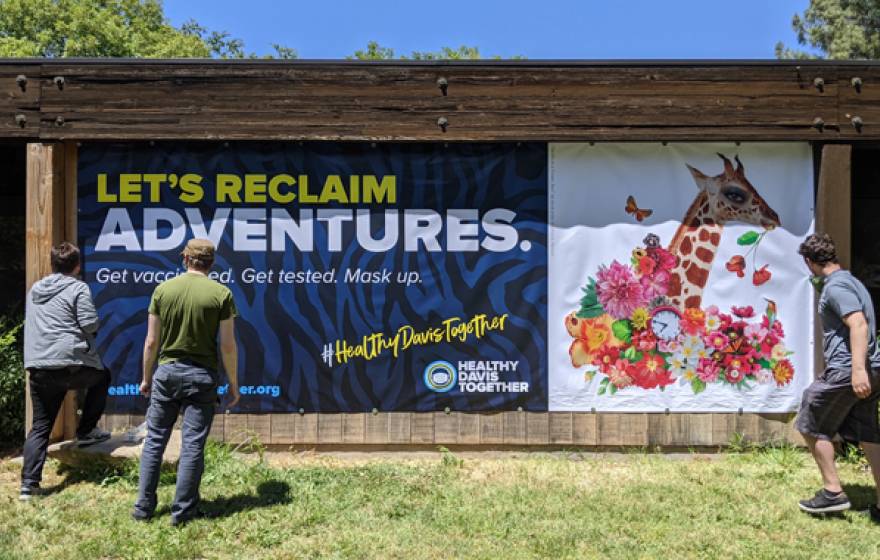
(269, 493)
(861, 496)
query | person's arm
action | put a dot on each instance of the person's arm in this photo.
(86, 316)
(229, 355)
(151, 350)
(858, 342)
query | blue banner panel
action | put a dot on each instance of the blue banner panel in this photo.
(401, 277)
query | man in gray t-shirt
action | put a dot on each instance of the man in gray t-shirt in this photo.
(843, 400)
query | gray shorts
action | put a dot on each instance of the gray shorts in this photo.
(830, 407)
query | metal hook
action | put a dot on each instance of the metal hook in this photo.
(857, 123)
(443, 84)
(819, 124)
(857, 84)
(443, 122)
(59, 81)
(21, 80)
(819, 83)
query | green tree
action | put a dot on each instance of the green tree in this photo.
(839, 29)
(375, 51)
(109, 28)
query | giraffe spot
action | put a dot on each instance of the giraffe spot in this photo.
(697, 275)
(704, 235)
(693, 301)
(674, 286)
(686, 246)
(715, 238)
(704, 254)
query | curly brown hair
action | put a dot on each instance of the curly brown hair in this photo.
(819, 248)
(64, 257)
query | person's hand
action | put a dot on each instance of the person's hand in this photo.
(234, 396)
(861, 384)
(146, 388)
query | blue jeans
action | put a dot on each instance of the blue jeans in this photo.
(177, 387)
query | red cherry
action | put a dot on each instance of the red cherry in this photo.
(737, 264)
(761, 276)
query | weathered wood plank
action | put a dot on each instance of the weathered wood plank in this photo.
(400, 429)
(445, 427)
(283, 429)
(329, 428)
(217, 432)
(537, 428)
(353, 428)
(260, 427)
(235, 429)
(422, 428)
(306, 428)
(17, 101)
(561, 428)
(584, 428)
(468, 428)
(515, 429)
(492, 428)
(376, 428)
(484, 102)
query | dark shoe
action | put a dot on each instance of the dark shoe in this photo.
(141, 516)
(874, 512)
(97, 435)
(28, 493)
(825, 502)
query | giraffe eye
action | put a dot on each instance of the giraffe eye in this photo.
(735, 195)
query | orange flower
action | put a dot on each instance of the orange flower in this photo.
(590, 335)
(693, 321)
(783, 372)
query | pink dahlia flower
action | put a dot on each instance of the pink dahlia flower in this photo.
(619, 292)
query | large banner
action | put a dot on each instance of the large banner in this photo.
(390, 276)
(478, 277)
(675, 282)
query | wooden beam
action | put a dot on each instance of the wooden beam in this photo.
(44, 220)
(834, 199)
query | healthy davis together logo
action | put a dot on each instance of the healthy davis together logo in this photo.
(440, 376)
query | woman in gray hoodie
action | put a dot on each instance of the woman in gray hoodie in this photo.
(60, 354)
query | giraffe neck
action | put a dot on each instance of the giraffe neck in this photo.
(695, 244)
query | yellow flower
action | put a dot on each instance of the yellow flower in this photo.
(639, 253)
(640, 318)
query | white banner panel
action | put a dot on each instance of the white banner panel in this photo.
(675, 282)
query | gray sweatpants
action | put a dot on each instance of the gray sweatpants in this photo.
(190, 389)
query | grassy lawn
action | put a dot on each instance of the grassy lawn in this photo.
(563, 505)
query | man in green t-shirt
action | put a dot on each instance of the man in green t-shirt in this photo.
(185, 316)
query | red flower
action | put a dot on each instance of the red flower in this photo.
(783, 372)
(605, 358)
(737, 264)
(693, 321)
(647, 266)
(743, 312)
(650, 372)
(644, 340)
(664, 258)
(761, 276)
(733, 375)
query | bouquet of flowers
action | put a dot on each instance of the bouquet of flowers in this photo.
(627, 330)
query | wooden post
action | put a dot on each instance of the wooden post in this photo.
(834, 216)
(46, 217)
(834, 199)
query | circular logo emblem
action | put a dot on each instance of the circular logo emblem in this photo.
(440, 376)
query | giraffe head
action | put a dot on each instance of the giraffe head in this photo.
(731, 198)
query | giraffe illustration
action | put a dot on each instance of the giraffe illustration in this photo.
(728, 197)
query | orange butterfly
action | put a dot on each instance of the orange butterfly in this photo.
(639, 213)
(735, 345)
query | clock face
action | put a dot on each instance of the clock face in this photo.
(666, 323)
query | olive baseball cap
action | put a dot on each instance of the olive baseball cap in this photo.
(199, 249)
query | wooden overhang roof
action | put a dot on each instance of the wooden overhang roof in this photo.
(521, 100)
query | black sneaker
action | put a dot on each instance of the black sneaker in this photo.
(97, 435)
(141, 516)
(181, 521)
(825, 502)
(28, 493)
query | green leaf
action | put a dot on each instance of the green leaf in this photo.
(590, 306)
(630, 354)
(697, 385)
(765, 363)
(603, 386)
(622, 330)
(612, 388)
(748, 238)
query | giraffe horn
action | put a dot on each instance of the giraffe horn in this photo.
(728, 167)
(739, 165)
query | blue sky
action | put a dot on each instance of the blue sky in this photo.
(548, 29)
